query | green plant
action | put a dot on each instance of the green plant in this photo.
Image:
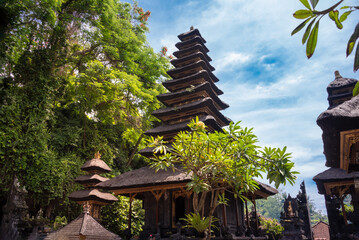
(271, 227)
(194, 220)
(60, 222)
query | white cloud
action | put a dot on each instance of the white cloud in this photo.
(231, 60)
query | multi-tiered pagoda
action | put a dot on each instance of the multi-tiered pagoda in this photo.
(340, 125)
(192, 93)
(91, 196)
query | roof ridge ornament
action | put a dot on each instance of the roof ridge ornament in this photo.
(337, 74)
(97, 155)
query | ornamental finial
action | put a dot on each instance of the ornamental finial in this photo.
(337, 74)
(191, 28)
(97, 155)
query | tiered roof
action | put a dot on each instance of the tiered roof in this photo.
(192, 91)
(83, 227)
(340, 90)
(93, 167)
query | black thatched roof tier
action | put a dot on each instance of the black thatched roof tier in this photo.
(204, 90)
(146, 152)
(191, 110)
(147, 177)
(96, 165)
(191, 50)
(90, 179)
(190, 69)
(343, 117)
(190, 42)
(340, 82)
(266, 189)
(84, 225)
(179, 62)
(335, 174)
(190, 34)
(185, 82)
(92, 194)
(340, 90)
(168, 129)
(144, 177)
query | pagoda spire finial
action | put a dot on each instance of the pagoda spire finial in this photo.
(97, 155)
(337, 74)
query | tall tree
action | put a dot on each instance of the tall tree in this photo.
(76, 77)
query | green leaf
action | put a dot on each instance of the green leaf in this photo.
(307, 31)
(344, 16)
(356, 59)
(352, 40)
(300, 26)
(314, 3)
(334, 15)
(312, 41)
(302, 14)
(356, 89)
(306, 4)
(345, 7)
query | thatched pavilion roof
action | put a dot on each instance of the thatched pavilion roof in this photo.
(84, 225)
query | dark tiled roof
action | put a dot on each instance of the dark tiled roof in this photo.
(172, 72)
(145, 176)
(340, 82)
(193, 32)
(94, 178)
(205, 102)
(96, 165)
(201, 74)
(167, 129)
(343, 117)
(92, 194)
(191, 50)
(177, 61)
(334, 174)
(266, 188)
(195, 40)
(84, 225)
(206, 86)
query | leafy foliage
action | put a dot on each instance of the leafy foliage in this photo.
(222, 161)
(76, 77)
(310, 13)
(115, 216)
(271, 227)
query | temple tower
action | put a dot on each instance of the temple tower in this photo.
(91, 197)
(192, 91)
(340, 125)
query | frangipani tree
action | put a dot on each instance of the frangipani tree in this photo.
(222, 161)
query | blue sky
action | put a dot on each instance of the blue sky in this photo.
(264, 73)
